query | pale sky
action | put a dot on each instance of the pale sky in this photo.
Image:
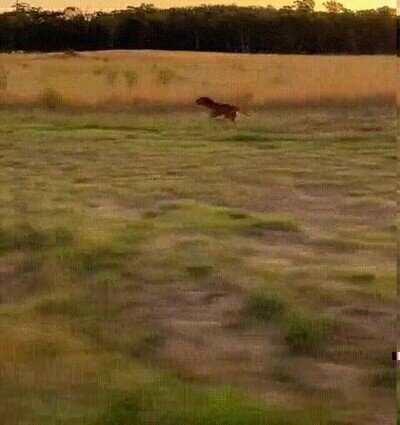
(121, 4)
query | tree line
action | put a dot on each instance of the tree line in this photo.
(298, 28)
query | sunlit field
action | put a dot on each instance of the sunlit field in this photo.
(158, 268)
(173, 79)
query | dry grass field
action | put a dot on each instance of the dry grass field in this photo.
(123, 78)
(159, 269)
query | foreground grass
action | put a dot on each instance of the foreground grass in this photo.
(112, 224)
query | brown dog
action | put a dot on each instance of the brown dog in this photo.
(219, 109)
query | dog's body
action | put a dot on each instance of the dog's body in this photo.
(219, 109)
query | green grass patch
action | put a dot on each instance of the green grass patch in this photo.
(112, 207)
(358, 193)
(184, 404)
(122, 412)
(281, 224)
(26, 237)
(385, 287)
(55, 306)
(199, 270)
(148, 345)
(338, 243)
(385, 378)
(206, 217)
(264, 306)
(362, 278)
(237, 215)
(244, 137)
(307, 336)
(96, 259)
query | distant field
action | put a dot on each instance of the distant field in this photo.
(124, 78)
(159, 269)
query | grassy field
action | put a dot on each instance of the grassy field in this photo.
(163, 79)
(159, 269)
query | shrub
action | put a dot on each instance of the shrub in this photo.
(265, 307)
(51, 99)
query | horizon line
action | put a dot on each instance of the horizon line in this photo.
(10, 9)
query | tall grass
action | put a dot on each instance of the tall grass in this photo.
(258, 80)
(3, 78)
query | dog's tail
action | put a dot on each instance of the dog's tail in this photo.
(244, 113)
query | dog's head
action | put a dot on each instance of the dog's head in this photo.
(205, 101)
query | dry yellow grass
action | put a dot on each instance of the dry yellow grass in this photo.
(122, 78)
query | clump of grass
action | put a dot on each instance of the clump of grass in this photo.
(106, 283)
(58, 306)
(51, 99)
(307, 336)
(243, 136)
(165, 76)
(81, 180)
(360, 278)
(283, 374)
(111, 75)
(199, 270)
(357, 193)
(148, 345)
(166, 206)
(24, 236)
(125, 411)
(151, 213)
(237, 215)
(264, 306)
(98, 71)
(385, 378)
(3, 79)
(131, 77)
(281, 224)
(219, 406)
(337, 243)
(95, 260)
